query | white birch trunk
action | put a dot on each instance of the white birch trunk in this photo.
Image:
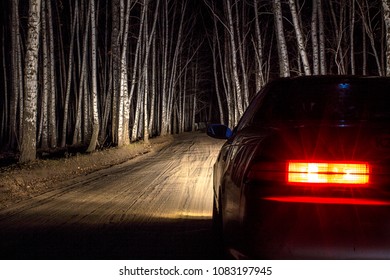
(241, 51)
(260, 81)
(236, 80)
(215, 71)
(136, 124)
(43, 128)
(115, 71)
(164, 42)
(284, 65)
(229, 94)
(145, 74)
(364, 52)
(321, 27)
(28, 145)
(300, 39)
(85, 86)
(52, 100)
(124, 106)
(193, 100)
(194, 113)
(148, 39)
(351, 37)
(174, 71)
(386, 15)
(69, 78)
(314, 38)
(95, 113)
(225, 78)
(81, 92)
(338, 26)
(153, 88)
(87, 106)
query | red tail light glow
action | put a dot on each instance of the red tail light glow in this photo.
(328, 172)
(329, 200)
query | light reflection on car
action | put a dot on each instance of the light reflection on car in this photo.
(306, 172)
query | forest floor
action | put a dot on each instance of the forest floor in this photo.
(22, 181)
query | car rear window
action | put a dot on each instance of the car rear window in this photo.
(367, 99)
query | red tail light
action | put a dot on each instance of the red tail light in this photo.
(329, 200)
(315, 174)
(301, 172)
(312, 172)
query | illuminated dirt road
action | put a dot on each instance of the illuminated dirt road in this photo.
(157, 206)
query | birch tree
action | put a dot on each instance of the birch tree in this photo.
(53, 81)
(69, 76)
(164, 61)
(386, 15)
(314, 38)
(153, 89)
(148, 39)
(260, 79)
(338, 20)
(29, 144)
(43, 130)
(352, 37)
(48, 118)
(16, 96)
(147, 73)
(368, 28)
(173, 74)
(138, 106)
(77, 133)
(215, 71)
(115, 68)
(321, 24)
(300, 39)
(236, 81)
(284, 64)
(95, 113)
(124, 101)
(242, 50)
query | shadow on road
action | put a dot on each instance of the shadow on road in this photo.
(167, 239)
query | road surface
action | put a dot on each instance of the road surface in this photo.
(157, 206)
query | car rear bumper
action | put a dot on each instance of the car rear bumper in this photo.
(296, 230)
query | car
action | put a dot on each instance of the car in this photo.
(305, 174)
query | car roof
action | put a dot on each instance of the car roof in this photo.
(330, 97)
(331, 78)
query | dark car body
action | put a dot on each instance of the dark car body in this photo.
(306, 172)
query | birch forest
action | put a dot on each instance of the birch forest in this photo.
(99, 73)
